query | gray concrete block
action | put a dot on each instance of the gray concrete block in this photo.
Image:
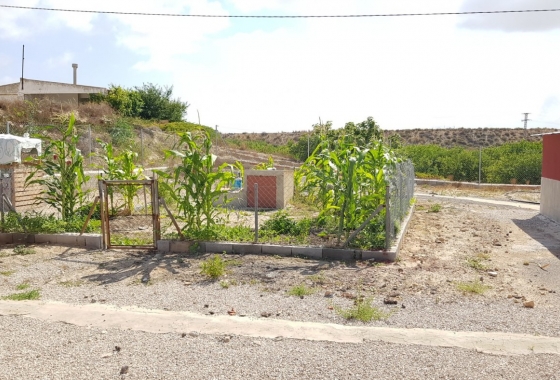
(6, 238)
(178, 246)
(311, 252)
(163, 245)
(67, 240)
(338, 254)
(212, 247)
(93, 242)
(45, 239)
(247, 249)
(379, 255)
(278, 250)
(23, 238)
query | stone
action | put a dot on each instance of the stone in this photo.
(390, 301)
(529, 304)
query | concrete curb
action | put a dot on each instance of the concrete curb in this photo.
(88, 241)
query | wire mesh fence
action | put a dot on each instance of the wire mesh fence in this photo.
(401, 192)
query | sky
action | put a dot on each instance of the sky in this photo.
(283, 75)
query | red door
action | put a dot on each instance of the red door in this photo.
(267, 191)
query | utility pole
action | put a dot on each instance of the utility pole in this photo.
(525, 120)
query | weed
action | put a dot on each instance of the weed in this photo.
(475, 263)
(301, 290)
(23, 286)
(435, 208)
(318, 278)
(213, 267)
(71, 283)
(362, 311)
(7, 273)
(30, 295)
(475, 287)
(22, 250)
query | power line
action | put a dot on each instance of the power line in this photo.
(283, 16)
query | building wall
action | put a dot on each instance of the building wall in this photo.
(550, 182)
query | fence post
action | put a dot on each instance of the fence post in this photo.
(387, 217)
(480, 165)
(256, 212)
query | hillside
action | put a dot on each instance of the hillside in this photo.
(449, 137)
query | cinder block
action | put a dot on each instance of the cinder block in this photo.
(247, 249)
(93, 242)
(212, 247)
(338, 254)
(311, 252)
(163, 246)
(45, 239)
(379, 255)
(67, 240)
(23, 239)
(279, 250)
(6, 238)
(178, 246)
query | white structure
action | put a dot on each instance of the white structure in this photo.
(30, 89)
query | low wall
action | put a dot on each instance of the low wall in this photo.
(472, 185)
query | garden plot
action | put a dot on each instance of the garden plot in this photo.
(463, 266)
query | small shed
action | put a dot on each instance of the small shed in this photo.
(14, 170)
(550, 181)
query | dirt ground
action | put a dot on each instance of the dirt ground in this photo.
(453, 249)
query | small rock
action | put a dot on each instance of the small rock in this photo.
(493, 274)
(390, 301)
(124, 370)
(329, 294)
(350, 296)
(529, 304)
(194, 334)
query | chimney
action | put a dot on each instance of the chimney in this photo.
(75, 67)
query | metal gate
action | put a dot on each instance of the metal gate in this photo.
(129, 213)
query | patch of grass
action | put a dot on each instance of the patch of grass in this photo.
(31, 295)
(23, 286)
(301, 290)
(318, 278)
(475, 287)
(435, 208)
(7, 273)
(213, 267)
(362, 311)
(71, 283)
(22, 250)
(476, 263)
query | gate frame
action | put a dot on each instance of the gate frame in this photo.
(104, 207)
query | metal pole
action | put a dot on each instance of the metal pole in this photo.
(387, 217)
(256, 212)
(480, 165)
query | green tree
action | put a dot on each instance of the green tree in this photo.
(158, 103)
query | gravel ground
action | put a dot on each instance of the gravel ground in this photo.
(521, 247)
(31, 349)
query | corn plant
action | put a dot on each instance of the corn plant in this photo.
(195, 185)
(121, 167)
(346, 181)
(62, 162)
